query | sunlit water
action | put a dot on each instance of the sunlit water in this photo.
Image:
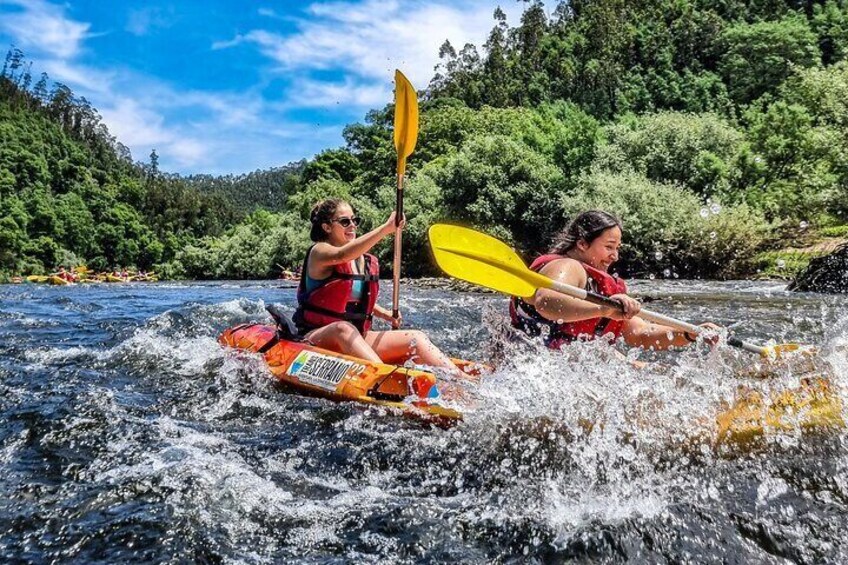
(128, 434)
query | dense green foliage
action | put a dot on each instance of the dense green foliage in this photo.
(713, 129)
(70, 193)
(268, 189)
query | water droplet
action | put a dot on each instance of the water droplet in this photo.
(652, 276)
(667, 273)
(712, 492)
(781, 263)
(803, 225)
(715, 208)
(704, 212)
(713, 235)
(658, 255)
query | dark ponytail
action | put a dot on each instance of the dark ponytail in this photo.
(322, 213)
(588, 226)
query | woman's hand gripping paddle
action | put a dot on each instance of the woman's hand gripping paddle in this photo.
(485, 261)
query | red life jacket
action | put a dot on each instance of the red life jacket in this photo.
(331, 301)
(525, 317)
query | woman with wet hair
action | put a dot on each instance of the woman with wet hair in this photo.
(337, 295)
(581, 256)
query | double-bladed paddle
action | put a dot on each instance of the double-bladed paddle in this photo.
(480, 259)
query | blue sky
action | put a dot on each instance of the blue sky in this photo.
(233, 86)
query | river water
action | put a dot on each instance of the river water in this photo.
(128, 434)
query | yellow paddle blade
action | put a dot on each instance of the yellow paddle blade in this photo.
(483, 260)
(406, 120)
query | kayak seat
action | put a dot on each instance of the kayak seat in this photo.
(286, 330)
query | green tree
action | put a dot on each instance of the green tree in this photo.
(337, 164)
(695, 151)
(76, 225)
(668, 231)
(830, 24)
(501, 186)
(794, 177)
(760, 56)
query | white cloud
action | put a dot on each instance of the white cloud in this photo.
(143, 128)
(227, 44)
(135, 125)
(368, 40)
(141, 22)
(318, 94)
(89, 79)
(188, 152)
(43, 27)
(270, 13)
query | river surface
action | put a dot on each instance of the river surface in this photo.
(128, 435)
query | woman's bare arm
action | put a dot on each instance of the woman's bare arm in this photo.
(324, 255)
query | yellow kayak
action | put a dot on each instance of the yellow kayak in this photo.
(37, 278)
(814, 405)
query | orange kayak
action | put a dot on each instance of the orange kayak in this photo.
(320, 372)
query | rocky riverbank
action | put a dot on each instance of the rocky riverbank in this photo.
(824, 274)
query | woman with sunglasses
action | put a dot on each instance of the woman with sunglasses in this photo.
(337, 295)
(581, 256)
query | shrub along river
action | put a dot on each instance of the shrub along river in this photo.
(129, 435)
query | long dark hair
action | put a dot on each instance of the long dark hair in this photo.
(322, 213)
(587, 226)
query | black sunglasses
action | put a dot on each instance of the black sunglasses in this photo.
(345, 222)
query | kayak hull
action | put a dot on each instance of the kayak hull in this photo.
(814, 406)
(319, 372)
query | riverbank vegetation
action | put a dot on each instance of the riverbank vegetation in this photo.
(717, 132)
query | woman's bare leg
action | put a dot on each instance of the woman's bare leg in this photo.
(397, 346)
(344, 338)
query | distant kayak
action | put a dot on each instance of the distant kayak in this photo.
(58, 281)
